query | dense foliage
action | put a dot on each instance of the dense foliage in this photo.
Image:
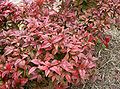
(37, 42)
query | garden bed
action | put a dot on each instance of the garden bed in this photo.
(108, 71)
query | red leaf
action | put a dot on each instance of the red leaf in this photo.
(39, 77)
(17, 61)
(42, 67)
(107, 39)
(81, 55)
(23, 81)
(39, 2)
(15, 76)
(42, 63)
(47, 72)
(33, 77)
(32, 70)
(68, 78)
(67, 2)
(66, 66)
(54, 51)
(75, 74)
(84, 64)
(7, 11)
(91, 65)
(8, 50)
(24, 56)
(22, 64)
(40, 51)
(45, 37)
(8, 67)
(35, 61)
(66, 57)
(5, 73)
(56, 69)
(74, 50)
(61, 86)
(57, 39)
(3, 86)
(82, 73)
(33, 29)
(106, 44)
(47, 63)
(53, 78)
(91, 25)
(91, 38)
(54, 62)
(48, 56)
(75, 58)
(45, 45)
(94, 58)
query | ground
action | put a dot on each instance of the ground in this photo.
(108, 66)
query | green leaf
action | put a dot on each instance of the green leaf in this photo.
(99, 41)
(84, 5)
(85, 1)
(59, 56)
(103, 46)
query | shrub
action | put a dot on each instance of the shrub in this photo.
(38, 42)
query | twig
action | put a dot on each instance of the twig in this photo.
(83, 86)
(105, 64)
(99, 53)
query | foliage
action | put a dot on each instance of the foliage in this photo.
(37, 43)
